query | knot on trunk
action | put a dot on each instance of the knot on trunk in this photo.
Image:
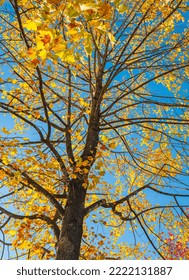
(65, 248)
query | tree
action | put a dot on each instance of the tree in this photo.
(176, 249)
(177, 243)
(94, 141)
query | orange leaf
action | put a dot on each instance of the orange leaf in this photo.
(46, 39)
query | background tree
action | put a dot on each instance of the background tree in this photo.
(94, 128)
(177, 240)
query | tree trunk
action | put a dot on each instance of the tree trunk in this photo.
(68, 246)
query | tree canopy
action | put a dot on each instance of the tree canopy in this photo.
(94, 140)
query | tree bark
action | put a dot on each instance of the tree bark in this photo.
(68, 246)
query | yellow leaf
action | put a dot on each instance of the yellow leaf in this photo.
(61, 54)
(2, 175)
(59, 48)
(112, 145)
(104, 139)
(102, 28)
(111, 37)
(84, 185)
(12, 232)
(88, 49)
(70, 59)
(105, 11)
(123, 8)
(30, 25)
(4, 130)
(24, 245)
(72, 32)
(53, 84)
(39, 44)
(13, 152)
(96, 180)
(87, 7)
(22, 2)
(5, 160)
(14, 81)
(73, 176)
(43, 54)
(79, 137)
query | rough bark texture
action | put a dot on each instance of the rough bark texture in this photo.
(68, 246)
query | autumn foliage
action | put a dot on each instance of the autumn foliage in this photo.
(94, 133)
